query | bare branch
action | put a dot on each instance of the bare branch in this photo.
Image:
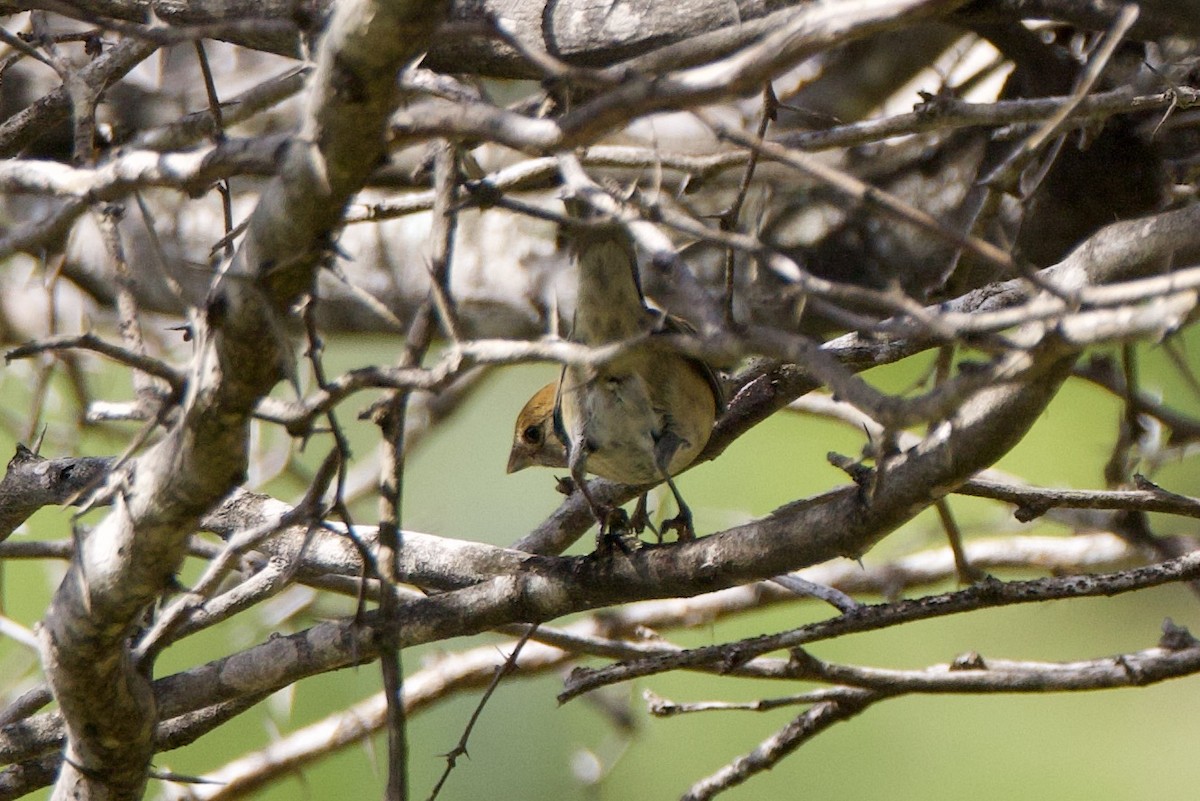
(989, 593)
(242, 352)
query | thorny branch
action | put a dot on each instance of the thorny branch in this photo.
(874, 233)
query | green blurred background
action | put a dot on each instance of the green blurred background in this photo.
(1126, 744)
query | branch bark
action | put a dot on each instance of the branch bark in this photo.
(242, 350)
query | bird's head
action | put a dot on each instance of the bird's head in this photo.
(534, 439)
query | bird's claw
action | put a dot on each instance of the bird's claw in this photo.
(641, 519)
(681, 524)
(614, 531)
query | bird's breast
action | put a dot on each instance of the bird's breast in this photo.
(611, 412)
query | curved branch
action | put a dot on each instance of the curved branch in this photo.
(31, 482)
(242, 351)
(22, 128)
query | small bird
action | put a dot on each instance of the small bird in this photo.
(641, 417)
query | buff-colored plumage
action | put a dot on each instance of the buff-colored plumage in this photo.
(638, 419)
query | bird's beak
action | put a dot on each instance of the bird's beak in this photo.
(518, 459)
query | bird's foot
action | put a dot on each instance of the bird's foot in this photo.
(681, 524)
(565, 485)
(641, 519)
(614, 531)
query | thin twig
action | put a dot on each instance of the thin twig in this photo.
(92, 342)
(460, 749)
(989, 593)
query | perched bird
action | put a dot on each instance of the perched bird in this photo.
(639, 418)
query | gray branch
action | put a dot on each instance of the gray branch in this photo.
(241, 352)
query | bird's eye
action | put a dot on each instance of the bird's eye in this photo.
(532, 435)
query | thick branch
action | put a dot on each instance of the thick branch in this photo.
(31, 482)
(242, 351)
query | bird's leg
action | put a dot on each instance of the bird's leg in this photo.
(681, 523)
(613, 533)
(577, 465)
(641, 518)
(665, 447)
(612, 520)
